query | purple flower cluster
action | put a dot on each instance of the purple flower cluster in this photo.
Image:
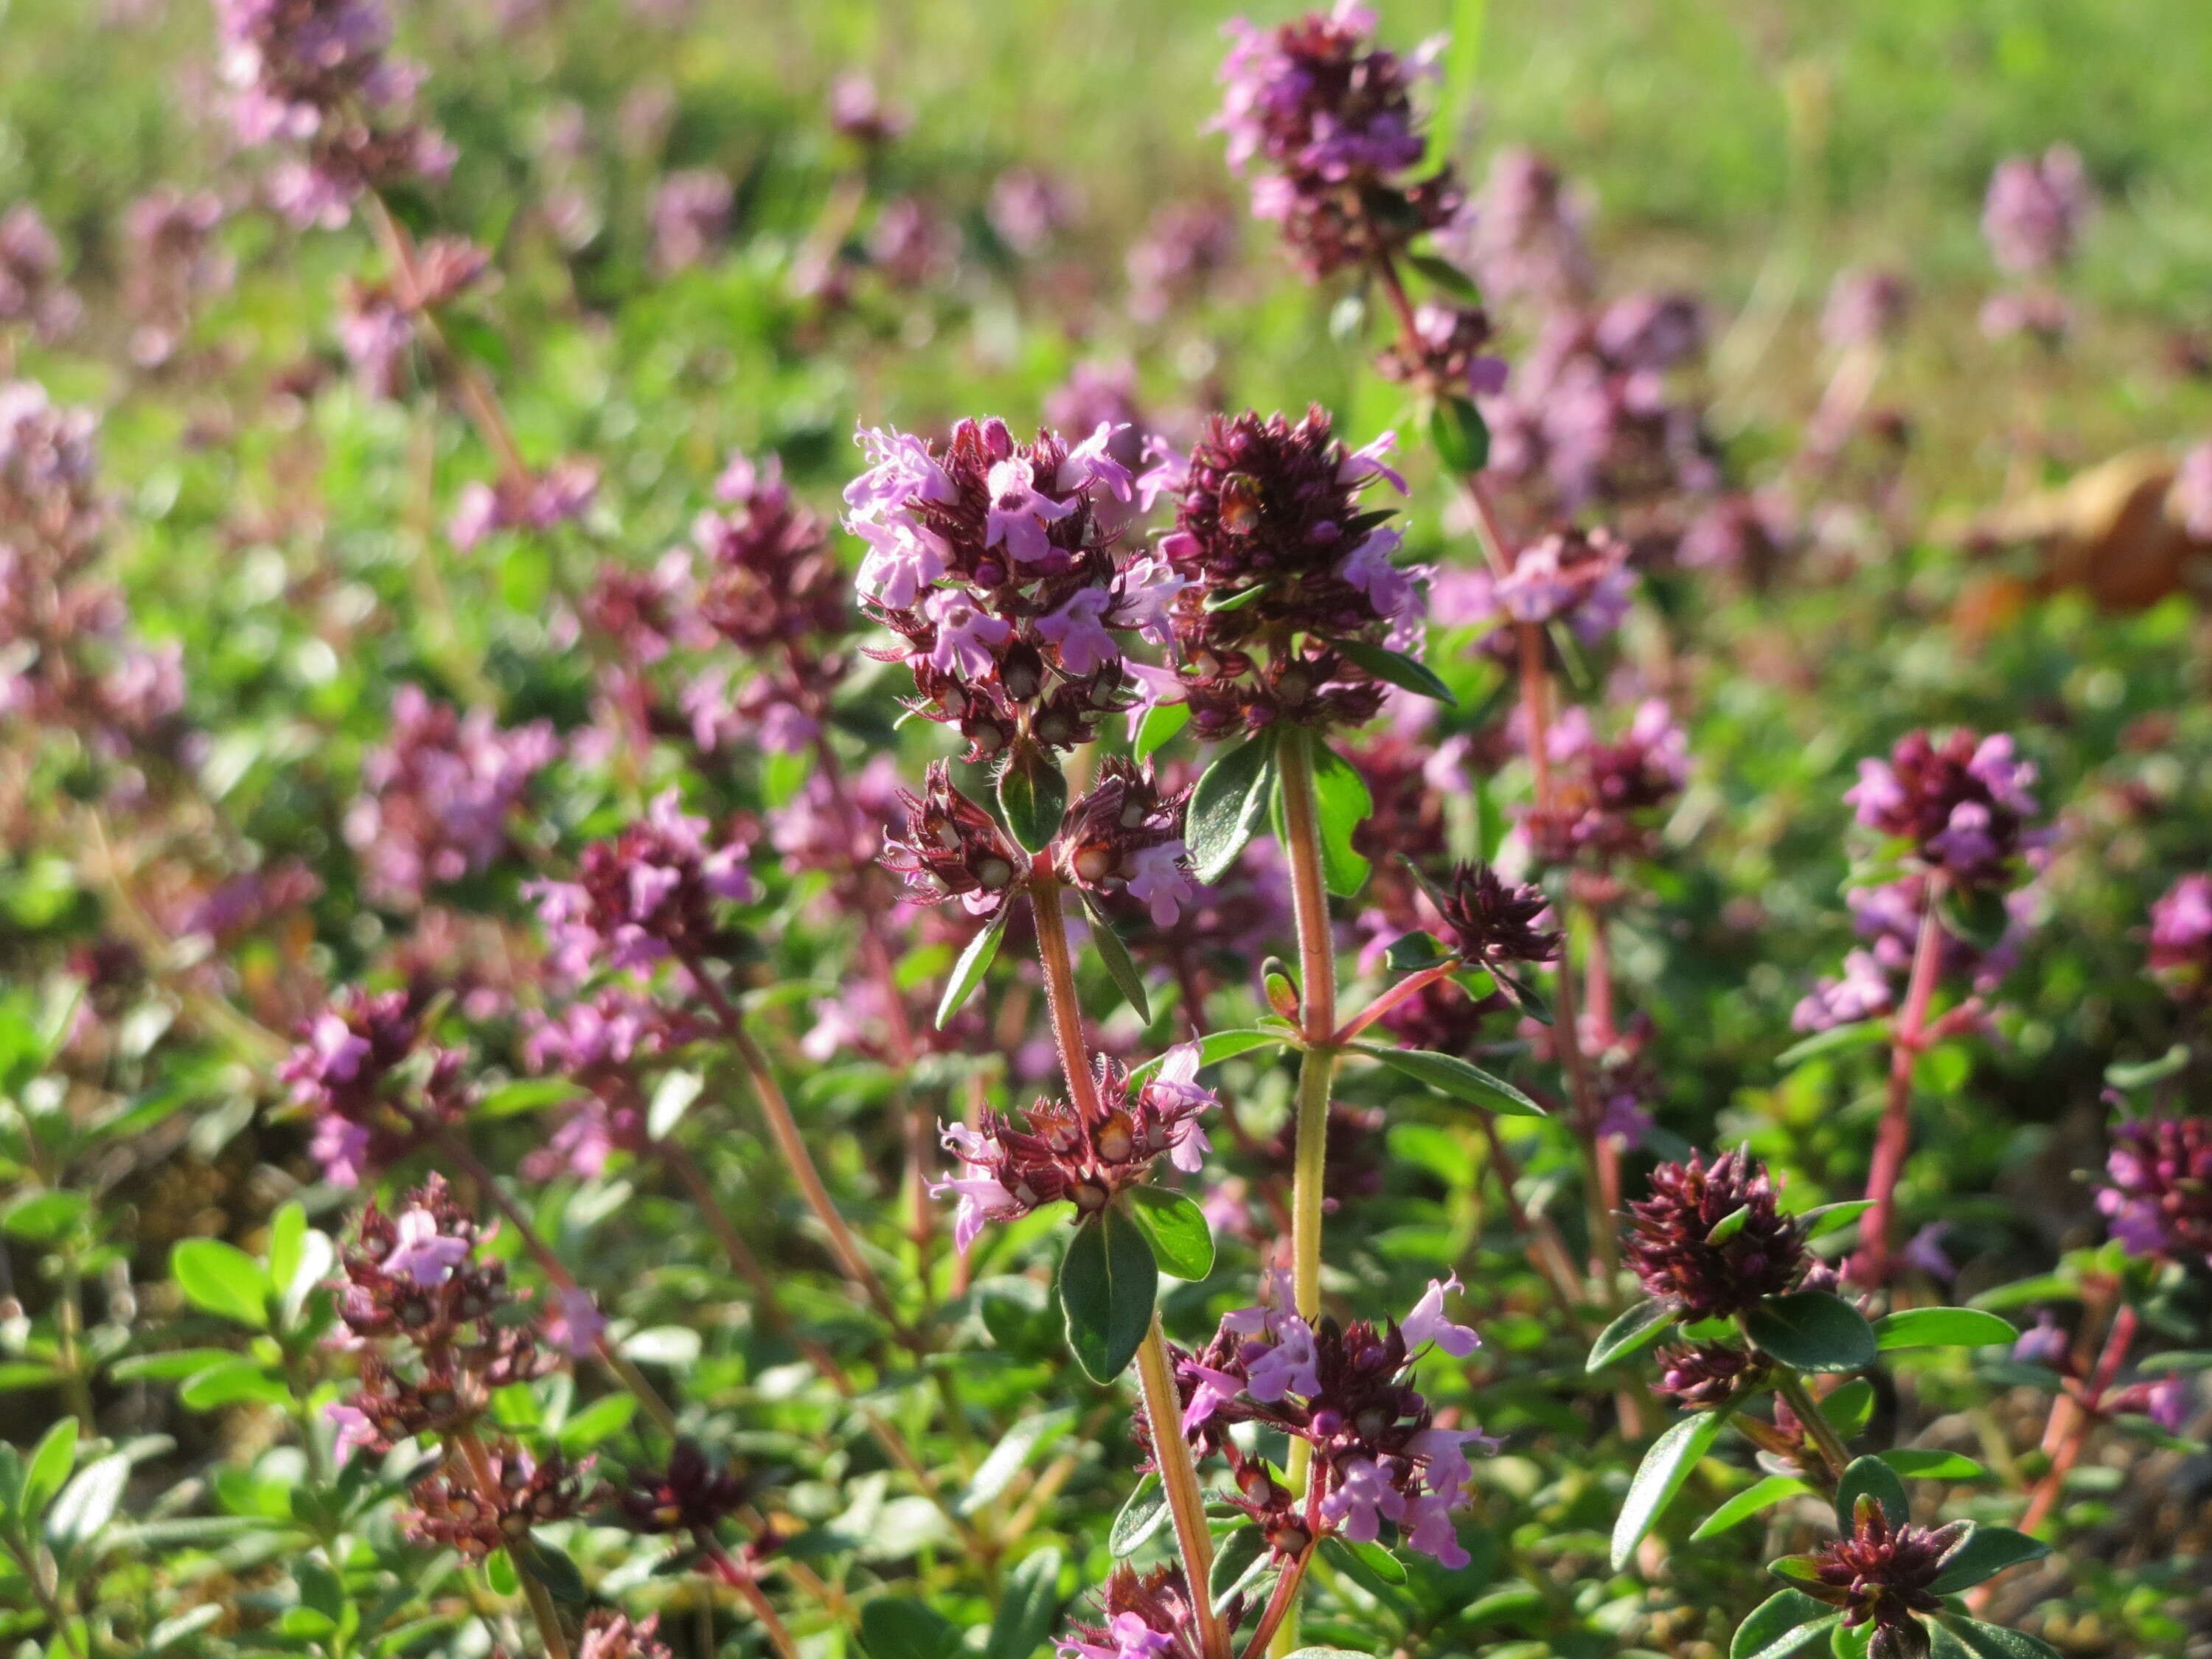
(1055, 1151)
(1524, 239)
(1186, 246)
(67, 656)
(1590, 418)
(953, 849)
(377, 1088)
(1880, 1574)
(2033, 213)
(171, 263)
(1670, 1246)
(1148, 1616)
(559, 494)
(2160, 1199)
(1606, 794)
(989, 559)
(31, 288)
(692, 218)
(1328, 116)
(1581, 580)
(318, 75)
(1961, 805)
(439, 796)
(2180, 954)
(651, 891)
(1272, 548)
(1346, 1390)
(1124, 835)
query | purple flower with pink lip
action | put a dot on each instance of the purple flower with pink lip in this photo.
(967, 637)
(1019, 512)
(421, 1252)
(1077, 631)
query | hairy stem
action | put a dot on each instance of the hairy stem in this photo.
(1171, 1451)
(783, 1128)
(542, 1610)
(1316, 1067)
(1894, 1138)
(1832, 1450)
(1179, 1476)
(2080, 1418)
(739, 1579)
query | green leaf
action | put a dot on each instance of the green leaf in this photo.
(500, 1573)
(1449, 1074)
(1228, 803)
(1008, 1459)
(1221, 1045)
(672, 1097)
(89, 1503)
(1632, 1331)
(1370, 1565)
(1027, 1609)
(556, 1571)
(1396, 668)
(1775, 1620)
(1181, 1242)
(1813, 1331)
(48, 1466)
(1033, 795)
(1461, 434)
(1115, 955)
(1161, 721)
(1827, 1218)
(975, 961)
(1108, 1281)
(1872, 1478)
(1240, 1559)
(1978, 916)
(1660, 1477)
(1987, 1552)
(1342, 803)
(1919, 1465)
(238, 1382)
(1446, 275)
(597, 1424)
(1759, 1495)
(1143, 1514)
(1326, 1653)
(2043, 1287)
(1836, 1040)
(1217, 603)
(1848, 1407)
(1409, 953)
(222, 1280)
(900, 1627)
(2126, 1076)
(1943, 1327)
(1728, 1226)
(1987, 1641)
(41, 1218)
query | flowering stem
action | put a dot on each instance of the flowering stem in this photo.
(1162, 1408)
(1317, 1065)
(551, 1265)
(542, 1610)
(1281, 1604)
(2082, 1415)
(784, 1128)
(1894, 1138)
(1412, 985)
(747, 1585)
(1833, 1452)
(1179, 1476)
(1535, 700)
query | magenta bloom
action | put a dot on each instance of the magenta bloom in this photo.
(2035, 209)
(2160, 1202)
(2181, 939)
(1961, 805)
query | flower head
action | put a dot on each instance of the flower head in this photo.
(690, 1494)
(1124, 832)
(953, 849)
(1347, 1391)
(2159, 1199)
(1328, 119)
(2035, 209)
(649, 892)
(1880, 1575)
(1671, 1247)
(1962, 804)
(1013, 1164)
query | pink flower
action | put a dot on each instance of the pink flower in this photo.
(1018, 514)
(967, 636)
(577, 1325)
(1158, 880)
(1427, 1323)
(1076, 631)
(422, 1253)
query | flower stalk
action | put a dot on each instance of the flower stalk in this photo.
(1893, 1140)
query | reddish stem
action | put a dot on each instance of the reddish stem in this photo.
(1894, 1138)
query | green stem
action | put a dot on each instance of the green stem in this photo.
(1162, 1408)
(1316, 1067)
(1792, 1388)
